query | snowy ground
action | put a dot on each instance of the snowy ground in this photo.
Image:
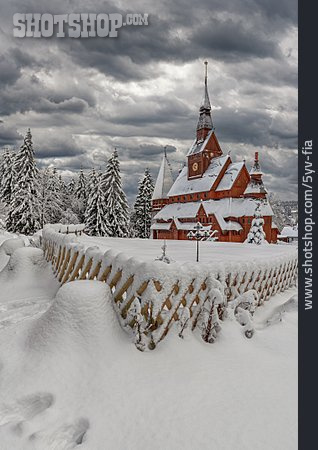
(148, 250)
(70, 377)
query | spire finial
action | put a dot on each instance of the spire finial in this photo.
(206, 72)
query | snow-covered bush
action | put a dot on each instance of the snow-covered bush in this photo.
(244, 307)
(209, 318)
(256, 234)
(137, 318)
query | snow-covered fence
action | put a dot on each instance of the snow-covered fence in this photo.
(150, 296)
(76, 229)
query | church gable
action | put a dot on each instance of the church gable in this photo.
(183, 185)
(201, 154)
(235, 179)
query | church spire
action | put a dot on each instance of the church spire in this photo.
(205, 121)
(164, 180)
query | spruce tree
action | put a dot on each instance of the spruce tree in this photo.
(96, 223)
(91, 184)
(256, 234)
(71, 186)
(50, 198)
(141, 217)
(80, 188)
(117, 210)
(6, 172)
(81, 196)
(69, 207)
(23, 214)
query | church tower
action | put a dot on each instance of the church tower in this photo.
(205, 146)
(256, 186)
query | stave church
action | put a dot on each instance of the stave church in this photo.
(211, 189)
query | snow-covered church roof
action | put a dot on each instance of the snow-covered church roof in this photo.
(225, 207)
(289, 232)
(184, 186)
(164, 180)
(231, 174)
(255, 188)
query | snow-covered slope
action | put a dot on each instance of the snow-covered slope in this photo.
(71, 378)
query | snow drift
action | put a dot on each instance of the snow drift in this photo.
(81, 313)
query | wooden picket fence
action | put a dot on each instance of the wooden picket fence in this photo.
(163, 289)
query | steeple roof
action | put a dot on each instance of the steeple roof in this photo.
(164, 180)
(205, 120)
(256, 185)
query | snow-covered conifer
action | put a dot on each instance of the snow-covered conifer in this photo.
(256, 234)
(81, 188)
(6, 171)
(141, 217)
(96, 223)
(91, 183)
(50, 197)
(71, 186)
(24, 211)
(81, 195)
(117, 211)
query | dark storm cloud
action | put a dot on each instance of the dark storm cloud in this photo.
(141, 91)
(56, 147)
(157, 112)
(8, 135)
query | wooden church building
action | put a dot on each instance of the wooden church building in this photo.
(210, 189)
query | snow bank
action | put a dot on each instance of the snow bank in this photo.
(81, 313)
(10, 245)
(23, 261)
(7, 247)
(26, 275)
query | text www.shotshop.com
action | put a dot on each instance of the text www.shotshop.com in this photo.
(307, 238)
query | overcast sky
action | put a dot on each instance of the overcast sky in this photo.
(141, 91)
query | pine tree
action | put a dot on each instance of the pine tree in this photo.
(50, 198)
(256, 234)
(71, 186)
(96, 223)
(80, 189)
(23, 214)
(6, 172)
(69, 207)
(91, 184)
(141, 217)
(81, 196)
(117, 211)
